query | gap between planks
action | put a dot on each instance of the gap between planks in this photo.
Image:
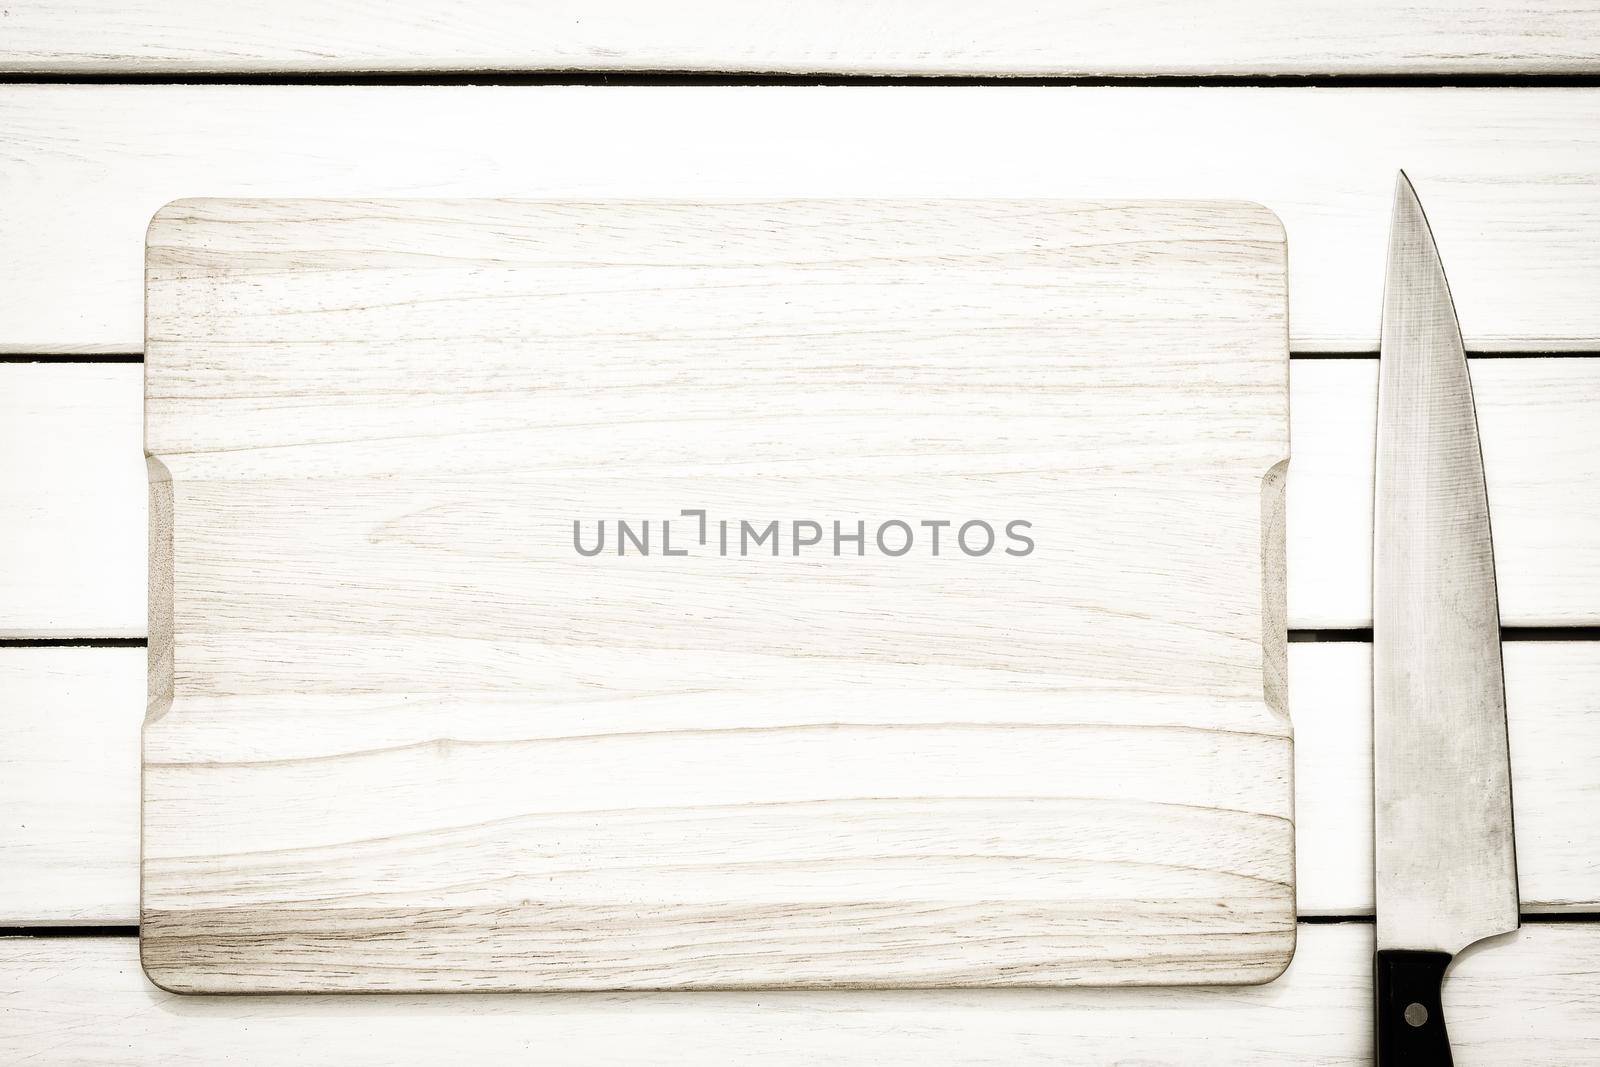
(115, 931)
(685, 78)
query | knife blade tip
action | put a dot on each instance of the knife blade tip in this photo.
(1406, 200)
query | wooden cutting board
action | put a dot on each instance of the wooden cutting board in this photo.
(407, 733)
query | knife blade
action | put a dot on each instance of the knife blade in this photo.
(1444, 848)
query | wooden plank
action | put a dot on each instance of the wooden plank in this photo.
(412, 734)
(1553, 721)
(1536, 419)
(1533, 998)
(69, 785)
(72, 554)
(76, 567)
(84, 706)
(1009, 37)
(1510, 178)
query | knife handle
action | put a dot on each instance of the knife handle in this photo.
(1410, 1021)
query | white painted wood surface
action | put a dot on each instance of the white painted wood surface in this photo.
(69, 785)
(76, 568)
(1006, 37)
(1537, 420)
(1532, 999)
(1511, 177)
(78, 180)
(73, 531)
(1553, 718)
(72, 553)
(73, 857)
(404, 737)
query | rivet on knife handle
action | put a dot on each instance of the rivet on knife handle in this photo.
(1410, 1015)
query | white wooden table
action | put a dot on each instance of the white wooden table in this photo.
(1509, 167)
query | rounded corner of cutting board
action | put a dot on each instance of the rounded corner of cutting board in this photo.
(1263, 215)
(166, 975)
(1276, 965)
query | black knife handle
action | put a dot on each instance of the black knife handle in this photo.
(1410, 1021)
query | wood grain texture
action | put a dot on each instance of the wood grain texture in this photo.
(84, 543)
(1010, 37)
(415, 741)
(1511, 177)
(76, 861)
(1533, 1000)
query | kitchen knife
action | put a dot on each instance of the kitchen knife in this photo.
(1445, 859)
